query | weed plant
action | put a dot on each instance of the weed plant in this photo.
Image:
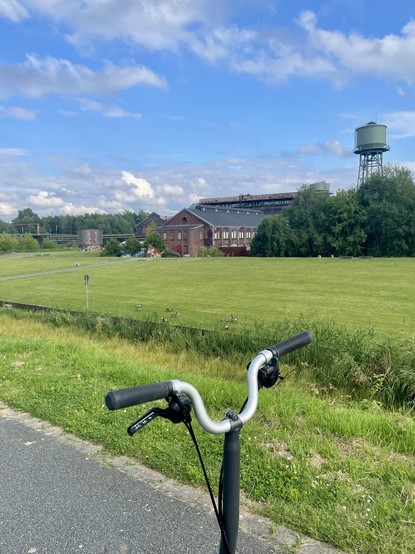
(356, 362)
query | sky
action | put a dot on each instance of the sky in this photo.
(126, 105)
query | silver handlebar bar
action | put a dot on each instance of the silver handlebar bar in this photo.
(224, 426)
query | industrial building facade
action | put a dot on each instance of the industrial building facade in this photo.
(230, 229)
(229, 223)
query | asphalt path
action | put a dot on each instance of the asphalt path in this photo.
(72, 268)
(57, 498)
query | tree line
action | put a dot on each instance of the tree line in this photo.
(27, 221)
(375, 219)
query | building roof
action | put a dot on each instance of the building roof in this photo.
(216, 216)
(184, 227)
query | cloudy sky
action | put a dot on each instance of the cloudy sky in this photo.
(113, 105)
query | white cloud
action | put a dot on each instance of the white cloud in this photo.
(17, 113)
(78, 187)
(138, 188)
(175, 190)
(330, 147)
(389, 57)
(84, 170)
(202, 26)
(45, 199)
(111, 112)
(38, 77)
(155, 25)
(401, 125)
(13, 10)
(12, 152)
(7, 210)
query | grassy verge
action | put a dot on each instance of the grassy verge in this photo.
(340, 471)
(356, 363)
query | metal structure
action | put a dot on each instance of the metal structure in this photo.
(267, 203)
(370, 144)
(90, 239)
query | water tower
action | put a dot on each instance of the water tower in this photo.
(370, 144)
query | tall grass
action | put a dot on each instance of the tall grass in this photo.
(358, 363)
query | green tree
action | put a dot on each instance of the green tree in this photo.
(389, 202)
(346, 220)
(307, 218)
(111, 248)
(132, 246)
(8, 243)
(154, 238)
(26, 216)
(28, 243)
(48, 245)
(273, 237)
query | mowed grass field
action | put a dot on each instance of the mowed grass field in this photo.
(378, 293)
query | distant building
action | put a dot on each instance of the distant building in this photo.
(142, 227)
(230, 229)
(269, 204)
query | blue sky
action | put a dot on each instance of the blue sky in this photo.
(113, 105)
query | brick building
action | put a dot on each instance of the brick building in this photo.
(230, 229)
(142, 227)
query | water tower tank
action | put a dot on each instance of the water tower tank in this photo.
(369, 137)
(370, 144)
(90, 239)
(321, 186)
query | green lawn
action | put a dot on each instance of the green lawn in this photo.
(356, 292)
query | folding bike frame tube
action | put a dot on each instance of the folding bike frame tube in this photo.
(231, 484)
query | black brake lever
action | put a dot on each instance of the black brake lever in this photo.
(143, 420)
(178, 411)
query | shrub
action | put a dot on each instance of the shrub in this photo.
(170, 254)
(209, 252)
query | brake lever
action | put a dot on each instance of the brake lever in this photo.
(143, 420)
(178, 411)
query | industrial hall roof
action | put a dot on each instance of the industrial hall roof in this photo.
(216, 216)
(184, 227)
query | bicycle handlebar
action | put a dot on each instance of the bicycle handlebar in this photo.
(123, 398)
(289, 345)
(131, 396)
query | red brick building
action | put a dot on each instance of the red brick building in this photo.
(142, 227)
(230, 229)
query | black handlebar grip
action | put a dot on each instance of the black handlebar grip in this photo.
(122, 398)
(289, 345)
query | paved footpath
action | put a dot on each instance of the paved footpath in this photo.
(60, 495)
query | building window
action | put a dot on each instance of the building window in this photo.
(185, 235)
(165, 236)
(201, 235)
(234, 234)
(248, 234)
(241, 234)
(179, 235)
(225, 234)
(184, 219)
(217, 235)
